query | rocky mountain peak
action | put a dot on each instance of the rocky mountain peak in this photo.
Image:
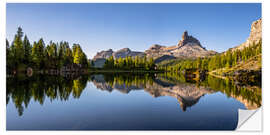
(185, 35)
(104, 54)
(255, 35)
(187, 47)
(188, 40)
(124, 52)
(255, 32)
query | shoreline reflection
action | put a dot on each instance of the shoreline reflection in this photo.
(39, 88)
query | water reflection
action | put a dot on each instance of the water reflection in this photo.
(188, 92)
(39, 88)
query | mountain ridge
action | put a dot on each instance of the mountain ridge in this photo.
(188, 47)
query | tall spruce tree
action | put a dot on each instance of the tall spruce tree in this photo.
(27, 48)
(38, 53)
(17, 48)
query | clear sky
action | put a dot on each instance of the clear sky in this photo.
(99, 27)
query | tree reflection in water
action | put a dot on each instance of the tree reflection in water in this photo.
(38, 88)
(187, 92)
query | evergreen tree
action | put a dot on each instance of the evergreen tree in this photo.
(40, 56)
(9, 58)
(78, 55)
(137, 62)
(7, 47)
(38, 52)
(17, 47)
(27, 50)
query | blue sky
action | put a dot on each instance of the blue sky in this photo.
(99, 27)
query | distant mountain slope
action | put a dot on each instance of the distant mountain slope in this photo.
(163, 58)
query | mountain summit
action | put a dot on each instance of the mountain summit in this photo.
(187, 47)
(188, 40)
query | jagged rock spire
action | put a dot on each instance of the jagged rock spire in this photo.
(185, 35)
(186, 39)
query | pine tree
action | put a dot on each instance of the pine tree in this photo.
(27, 50)
(17, 47)
(38, 52)
(198, 63)
(136, 62)
(9, 58)
(76, 54)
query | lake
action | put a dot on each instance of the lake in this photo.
(126, 101)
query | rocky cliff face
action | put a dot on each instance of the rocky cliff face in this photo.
(104, 54)
(189, 40)
(187, 47)
(125, 52)
(255, 35)
(122, 53)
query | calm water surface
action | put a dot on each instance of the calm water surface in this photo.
(126, 102)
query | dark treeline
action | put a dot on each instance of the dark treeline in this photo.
(129, 63)
(21, 54)
(225, 60)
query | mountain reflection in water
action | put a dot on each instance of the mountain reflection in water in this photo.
(39, 88)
